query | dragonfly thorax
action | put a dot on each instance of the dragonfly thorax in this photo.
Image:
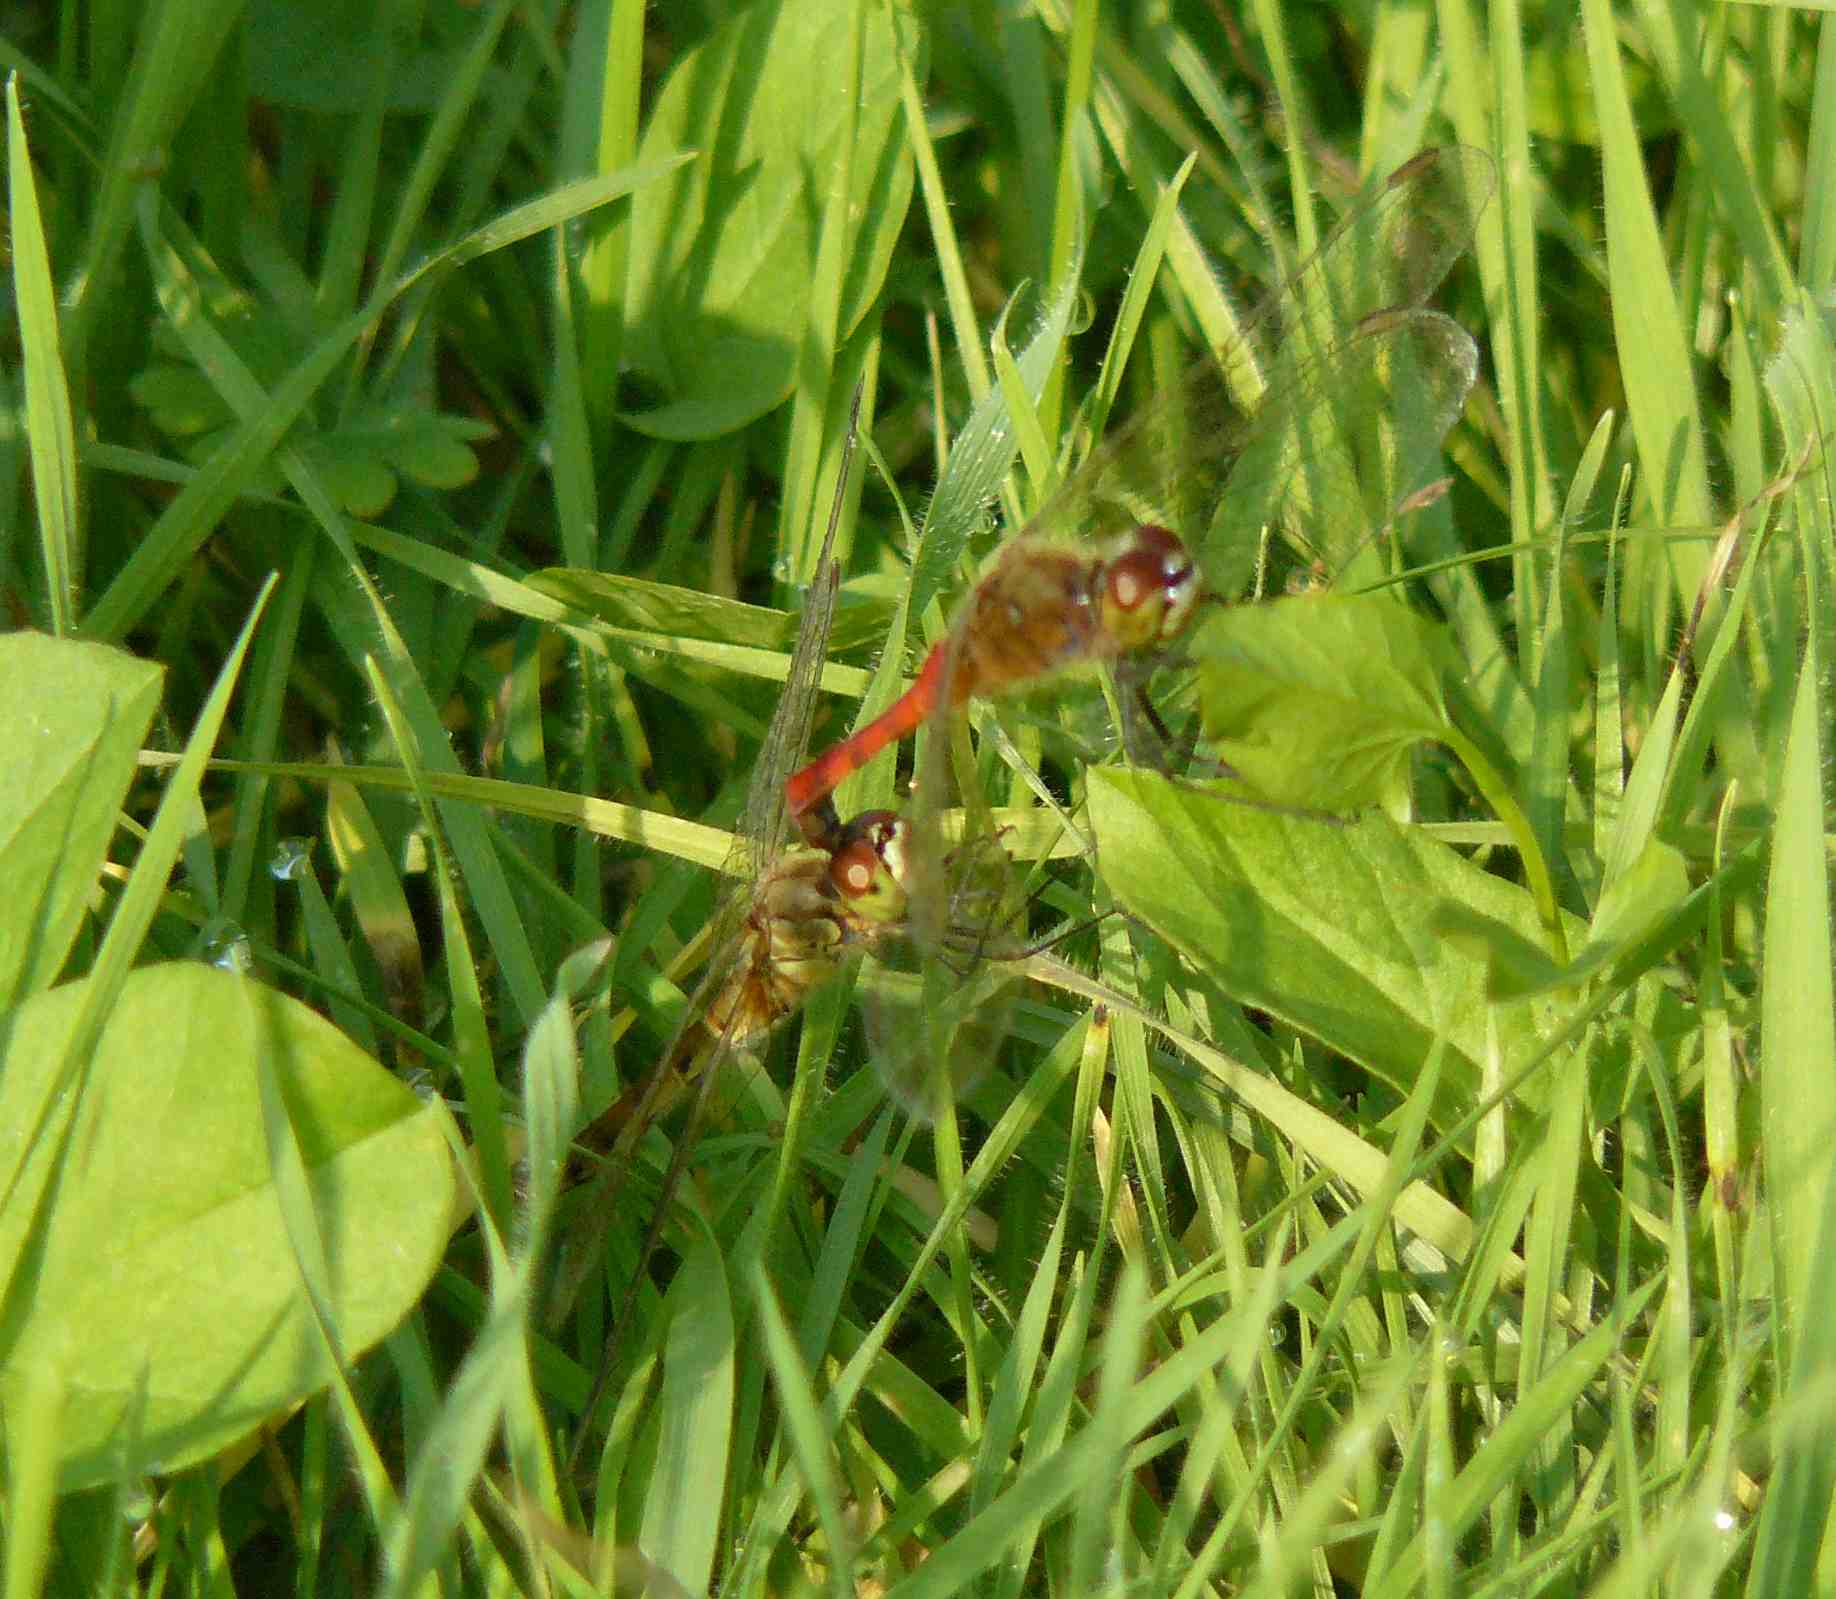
(1147, 589)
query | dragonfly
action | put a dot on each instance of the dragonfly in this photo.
(780, 933)
(1339, 391)
(798, 915)
(806, 910)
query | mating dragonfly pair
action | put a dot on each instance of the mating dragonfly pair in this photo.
(1317, 421)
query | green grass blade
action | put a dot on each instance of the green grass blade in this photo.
(1660, 386)
(49, 430)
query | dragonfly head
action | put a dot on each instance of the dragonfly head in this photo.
(1149, 588)
(867, 866)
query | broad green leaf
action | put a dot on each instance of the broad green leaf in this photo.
(1317, 700)
(360, 458)
(178, 400)
(361, 484)
(1331, 927)
(433, 449)
(723, 251)
(164, 1294)
(1515, 967)
(73, 716)
(1634, 907)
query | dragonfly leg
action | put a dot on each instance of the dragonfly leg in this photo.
(1146, 738)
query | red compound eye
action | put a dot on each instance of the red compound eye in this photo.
(855, 868)
(1154, 563)
(1131, 579)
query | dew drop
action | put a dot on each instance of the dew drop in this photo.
(227, 948)
(291, 859)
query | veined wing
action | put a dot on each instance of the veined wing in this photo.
(936, 988)
(1343, 360)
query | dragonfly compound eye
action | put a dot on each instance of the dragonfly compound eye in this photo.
(867, 866)
(854, 869)
(1149, 588)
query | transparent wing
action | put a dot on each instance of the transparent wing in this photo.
(765, 822)
(759, 837)
(932, 1028)
(937, 988)
(1269, 431)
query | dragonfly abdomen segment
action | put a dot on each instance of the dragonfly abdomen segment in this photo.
(806, 789)
(1028, 619)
